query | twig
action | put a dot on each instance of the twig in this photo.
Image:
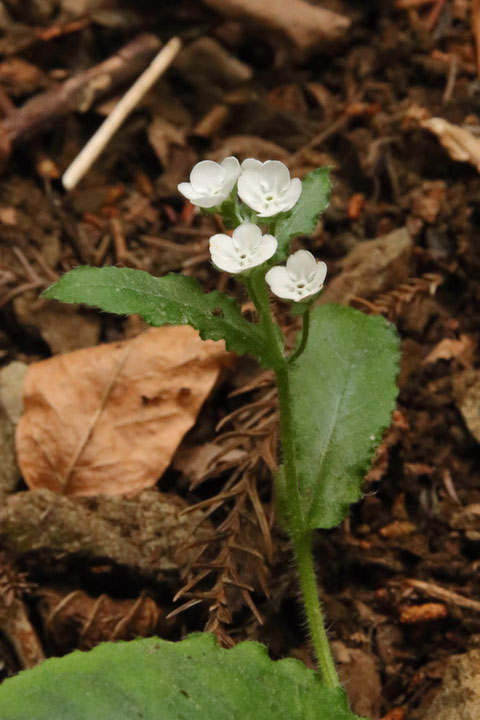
(434, 14)
(475, 20)
(130, 100)
(16, 626)
(442, 594)
(80, 92)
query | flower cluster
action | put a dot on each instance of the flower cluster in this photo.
(268, 190)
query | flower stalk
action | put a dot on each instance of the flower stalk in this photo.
(266, 192)
(301, 539)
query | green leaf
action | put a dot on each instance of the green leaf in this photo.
(169, 300)
(343, 390)
(152, 679)
(316, 187)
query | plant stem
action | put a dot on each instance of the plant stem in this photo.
(303, 342)
(302, 540)
(302, 544)
(257, 288)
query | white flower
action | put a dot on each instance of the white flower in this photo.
(267, 187)
(210, 182)
(303, 276)
(246, 249)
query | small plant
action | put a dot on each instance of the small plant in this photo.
(336, 393)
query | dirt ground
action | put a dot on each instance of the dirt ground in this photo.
(388, 94)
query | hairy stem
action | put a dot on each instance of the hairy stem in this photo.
(301, 539)
(302, 544)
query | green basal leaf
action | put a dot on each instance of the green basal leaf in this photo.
(152, 679)
(343, 391)
(169, 300)
(303, 219)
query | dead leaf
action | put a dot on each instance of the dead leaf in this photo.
(466, 391)
(74, 619)
(305, 25)
(63, 327)
(460, 143)
(245, 146)
(107, 420)
(205, 61)
(450, 349)
(359, 674)
(372, 267)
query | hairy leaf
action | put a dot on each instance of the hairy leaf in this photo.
(343, 394)
(302, 220)
(154, 679)
(169, 300)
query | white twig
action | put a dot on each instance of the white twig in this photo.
(132, 97)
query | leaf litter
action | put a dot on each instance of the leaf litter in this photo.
(359, 106)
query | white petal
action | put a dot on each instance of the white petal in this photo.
(251, 164)
(231, 166)
(268, 248)
(290, 197)
(206, 175)
(301, 266)
(187, 190)
(276, 175)
(249, 191)
(204, 201)
(320, 272)
(280, 282)
(247, 236)
(223, 253)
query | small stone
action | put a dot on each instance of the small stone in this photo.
(459, 698)
(11, 381)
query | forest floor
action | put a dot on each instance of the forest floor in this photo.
(392, 103)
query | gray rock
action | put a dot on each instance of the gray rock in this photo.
(459, 698)
(11, 381)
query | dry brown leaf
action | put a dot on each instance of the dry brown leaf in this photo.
(107, 420)
(466, 391)
(305, 25)
(244, 146)
(63, 327)
(449, 349)
(460, 143)
(372, 267)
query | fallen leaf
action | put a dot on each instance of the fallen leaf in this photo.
(449, 349)
(372, 267)
(466, 391)
(359, 674)
(245, 146)
(305, 25)
(460, 143)
(74, 619)
(107, 420)
(63, 327)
